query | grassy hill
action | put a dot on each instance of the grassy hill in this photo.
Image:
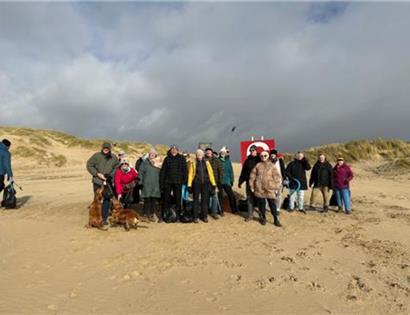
(392, 154)
(55, 148)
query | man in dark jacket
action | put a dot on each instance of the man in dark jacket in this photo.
(296, 172)
(218, 170)
(321, 181)
(5, 163)
(247, 167)
(102, 166)
(172, 176)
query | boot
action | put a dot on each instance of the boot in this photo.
(262, 218)
(276, 221)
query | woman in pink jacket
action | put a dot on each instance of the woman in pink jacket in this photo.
(125, 179)
(342, 175)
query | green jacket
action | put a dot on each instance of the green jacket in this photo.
(149, 178)
(218, 169)
(100, 163)
(228, 177)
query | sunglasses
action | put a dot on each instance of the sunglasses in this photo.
(264, 155)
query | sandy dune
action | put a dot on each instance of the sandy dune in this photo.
(315, 264)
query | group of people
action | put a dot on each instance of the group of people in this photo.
(5, 164)
(181, 184)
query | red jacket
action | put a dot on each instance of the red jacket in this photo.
(342, 176)
(124, 181)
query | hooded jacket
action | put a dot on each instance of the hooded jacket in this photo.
(5, 161)
(265, 180)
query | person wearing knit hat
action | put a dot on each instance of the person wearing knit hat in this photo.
(5, 163)
(125, 179)
(172, 176)
(227, 181)
(102, 166)
(149, 182)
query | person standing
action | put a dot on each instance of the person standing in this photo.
(265, 181)
(321, 182)
(250, 162)
(277, 160)
(201, 182)
(172, 176)
(102, 166)
(227, 181)
(149, 181)
(5, 163)
(342, 176)
(296, 171)
(218, 170)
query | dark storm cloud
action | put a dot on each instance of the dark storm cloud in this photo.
(304, 73)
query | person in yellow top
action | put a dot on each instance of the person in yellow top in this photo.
(201, 182)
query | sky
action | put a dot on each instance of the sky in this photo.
(303, 73)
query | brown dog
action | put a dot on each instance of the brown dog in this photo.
(126, 217)
(95, 209)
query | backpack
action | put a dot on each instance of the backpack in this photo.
(9, 197)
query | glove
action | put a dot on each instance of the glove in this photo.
(11, 180)
(108, 177)
(190, 190)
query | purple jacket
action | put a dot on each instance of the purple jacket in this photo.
(342, 176)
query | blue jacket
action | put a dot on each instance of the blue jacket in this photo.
(5, 161)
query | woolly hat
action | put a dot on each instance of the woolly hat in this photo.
(172, 146)
(223, 149)
(106, 145)
(274, 151)
(124, 161)
(153, 151)
(6, 142)
(199, 152)
(253, 147)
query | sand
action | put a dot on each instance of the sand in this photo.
(316, 264)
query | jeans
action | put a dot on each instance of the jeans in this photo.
(278, 201)
(343, 198)
(214, 204)
(300, 194)
(106, 206)
(250, 198)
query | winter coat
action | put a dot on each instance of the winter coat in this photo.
(173, 170)
(321, 175)
(297, 170)
(342, 175)
(104, 164)
(125, 182)
(149, 179)
(208, 175)
(247, 167)
(265, 180)
(5, 161)
(280, 165)
(218, 169)
(229, 177)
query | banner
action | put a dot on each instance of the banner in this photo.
(261, 145)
